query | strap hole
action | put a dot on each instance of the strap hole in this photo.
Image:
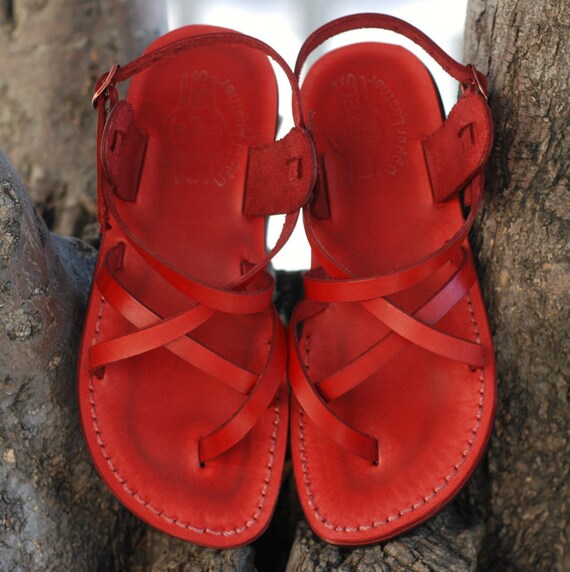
(116, 141)
(99, 372)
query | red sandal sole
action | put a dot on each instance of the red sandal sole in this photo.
(142, 421)
(371, 106)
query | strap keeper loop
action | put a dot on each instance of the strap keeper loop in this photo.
(104, 84)
(478, 82)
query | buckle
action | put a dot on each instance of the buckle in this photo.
(104, 85)
(477, 82)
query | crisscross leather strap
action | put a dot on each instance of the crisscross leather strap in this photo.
(247, 294)
(331, 282)
(111, 286)
(173, 331)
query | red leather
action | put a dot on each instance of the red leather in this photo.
(113, 291)
(320, 207)
(280, 175)
(466, 75)
(122, 151)
(457, 151)
(181, 376)
(390, 355)
(391, 345)
(106, 83)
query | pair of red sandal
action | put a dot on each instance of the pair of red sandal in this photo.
(184, 362)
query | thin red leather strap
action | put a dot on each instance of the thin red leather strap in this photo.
(313, 397)
(392, 345)
(115, 293)
(146, 339)
(466, 75)
(237, 427)
(345, 288)
(259, 399)
(102, 210)
(218, 38)
(313, 405)
(424, 336)
(230, 300)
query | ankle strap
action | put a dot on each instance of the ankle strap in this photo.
(105, 86)
(468, 76)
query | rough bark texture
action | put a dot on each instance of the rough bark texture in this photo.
(159, 553)
(443, 544)
(55, 513)
(52, 53)
(522, 243)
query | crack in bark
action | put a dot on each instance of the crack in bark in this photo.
(7, 13)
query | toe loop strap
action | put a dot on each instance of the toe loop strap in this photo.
(245, 418)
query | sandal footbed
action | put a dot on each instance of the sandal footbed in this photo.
(201, 111)
(371, 105)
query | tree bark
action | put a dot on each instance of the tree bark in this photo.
(161, 553)
(55, 512)
(445, 543)
(522, 243)
(52, 53)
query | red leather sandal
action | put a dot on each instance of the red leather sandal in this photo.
(390, 358)
(182, 382)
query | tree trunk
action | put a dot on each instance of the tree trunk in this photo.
(55, 512)
(522, 243)
(52, 53)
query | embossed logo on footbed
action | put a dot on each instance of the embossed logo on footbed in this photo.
(367, 128)
(207, 130)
